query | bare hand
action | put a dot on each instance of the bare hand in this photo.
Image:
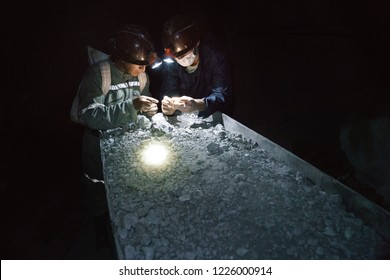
(145, 104)
(152, 111)
(187, 104)
(170, 104)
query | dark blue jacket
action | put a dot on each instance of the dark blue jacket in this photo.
(211, 80)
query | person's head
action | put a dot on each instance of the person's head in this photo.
(132, 49)
(180, 38)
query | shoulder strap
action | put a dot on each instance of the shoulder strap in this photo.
(142, 80)
(105, 71)
(95, 55)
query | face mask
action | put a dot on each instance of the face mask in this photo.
(186, 60)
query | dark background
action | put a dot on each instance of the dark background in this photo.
(302, 70)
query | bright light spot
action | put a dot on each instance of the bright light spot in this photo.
(157, 64)
(168, 60)
(155, 154)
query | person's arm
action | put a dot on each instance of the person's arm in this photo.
(152, 109)
(95, 114)
(188, 104)
(221, 92)
(170, 82)
(169, 92)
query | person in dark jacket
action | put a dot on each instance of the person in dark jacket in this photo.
(131, 52)
(196, 77)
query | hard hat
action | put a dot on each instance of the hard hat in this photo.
(133, 44)
(180, 35)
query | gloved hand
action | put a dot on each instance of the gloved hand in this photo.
(145, 104)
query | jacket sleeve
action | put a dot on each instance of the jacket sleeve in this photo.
(221, 88)
(95, 114)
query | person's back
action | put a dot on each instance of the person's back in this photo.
(199, 75)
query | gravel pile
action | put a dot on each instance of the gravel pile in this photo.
(220, 196)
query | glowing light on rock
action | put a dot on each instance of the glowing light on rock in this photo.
(155, 154)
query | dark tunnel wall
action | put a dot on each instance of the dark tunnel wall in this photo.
(301, 72)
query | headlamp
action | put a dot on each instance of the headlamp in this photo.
(155, 61)
(168, 57)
